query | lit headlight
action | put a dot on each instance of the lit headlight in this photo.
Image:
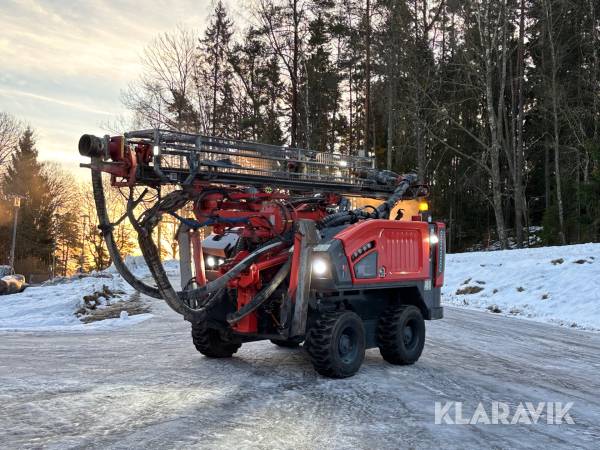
(211, 262)
(320, 267)
(433, 239)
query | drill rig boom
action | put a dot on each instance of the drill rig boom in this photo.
(159, 157)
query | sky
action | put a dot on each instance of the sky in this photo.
(64, 63)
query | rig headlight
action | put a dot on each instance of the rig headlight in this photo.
(433, 239)
(320, 267)
(211, 262)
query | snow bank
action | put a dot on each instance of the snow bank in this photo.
(138, 267)
(559, 285)
(51, 307)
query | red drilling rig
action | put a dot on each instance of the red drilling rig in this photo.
(288, 258)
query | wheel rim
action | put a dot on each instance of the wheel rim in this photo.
(348, 345)
(410, 334)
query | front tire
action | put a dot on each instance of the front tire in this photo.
(336, 344)
(401, 334)
(210, 342)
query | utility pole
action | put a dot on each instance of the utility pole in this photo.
(56, 218)
(82, 258)
(159, 240)
(17, 205)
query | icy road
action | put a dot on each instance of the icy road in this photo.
(146, 387)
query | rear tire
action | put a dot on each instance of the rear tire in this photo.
(401, 334)
(336, 344)
(209, 342)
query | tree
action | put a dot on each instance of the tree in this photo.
(25, 177)
(282, 23)
(260, 89)
(494, 103)
(164, 94)
(215, 72)
(555, 99)
(319, 86)
(10, 130)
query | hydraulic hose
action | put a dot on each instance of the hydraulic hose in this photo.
(180, 301)
(107, 232)
(381, 212)
(164, 290)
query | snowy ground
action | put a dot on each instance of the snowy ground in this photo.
(146, 387)
(559, 285)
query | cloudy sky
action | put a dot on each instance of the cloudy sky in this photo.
(63, 63)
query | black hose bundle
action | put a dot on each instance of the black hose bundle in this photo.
(381, 212)
(107, 232)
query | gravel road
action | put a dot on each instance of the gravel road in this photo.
(146, 387)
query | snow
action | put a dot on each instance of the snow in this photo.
(147, 387)
(51, 307)
(529, 283)
(558, 285)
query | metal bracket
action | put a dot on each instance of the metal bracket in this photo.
(310, 238)
(185, 255)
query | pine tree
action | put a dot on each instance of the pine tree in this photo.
(260, 89)
(319, 90)
(216, 72)
(25, 178)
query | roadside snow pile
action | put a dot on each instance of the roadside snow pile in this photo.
(53, 306)
(138, 267)
(559, 285)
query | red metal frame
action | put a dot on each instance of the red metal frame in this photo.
(403, 247)
(198, 257)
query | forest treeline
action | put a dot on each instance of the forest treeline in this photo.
(495, 103)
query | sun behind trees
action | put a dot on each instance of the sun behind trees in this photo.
(56, 226)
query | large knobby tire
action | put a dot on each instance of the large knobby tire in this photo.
(401, 334)
(209, 342)
(286, 344)
(336, 344)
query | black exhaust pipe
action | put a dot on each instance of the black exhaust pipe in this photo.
(91, 146)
